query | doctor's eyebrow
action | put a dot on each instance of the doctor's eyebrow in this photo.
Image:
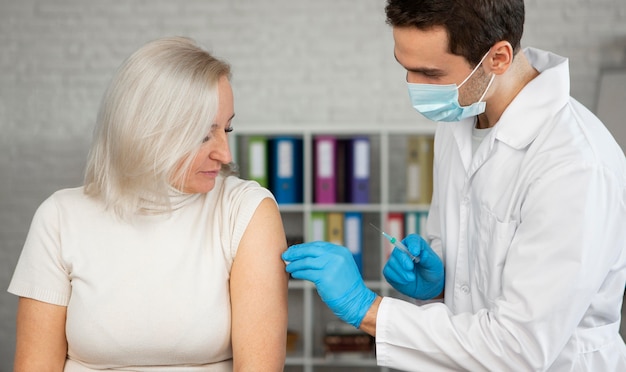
(422, 70)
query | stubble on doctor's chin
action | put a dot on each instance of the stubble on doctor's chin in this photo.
(474, 88)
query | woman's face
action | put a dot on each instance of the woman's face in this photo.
(215, 150)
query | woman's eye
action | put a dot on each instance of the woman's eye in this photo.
(226, 130)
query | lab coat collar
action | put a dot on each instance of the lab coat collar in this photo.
(522, 120)
(540, 100)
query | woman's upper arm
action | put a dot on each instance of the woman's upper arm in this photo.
(41, 344)
(259, 293)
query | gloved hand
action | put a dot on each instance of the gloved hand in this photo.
(333, 271)
(423, 280)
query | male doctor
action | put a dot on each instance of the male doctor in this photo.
(527, 227)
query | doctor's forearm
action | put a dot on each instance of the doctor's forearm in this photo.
(368, 324)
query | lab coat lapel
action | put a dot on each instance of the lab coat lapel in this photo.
(523, 119)
(462, 132)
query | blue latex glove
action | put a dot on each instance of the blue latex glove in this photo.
(423, 280)
(333, 271)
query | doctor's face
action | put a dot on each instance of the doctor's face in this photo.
(425, 56)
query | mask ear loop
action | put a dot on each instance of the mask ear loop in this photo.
(475, 68)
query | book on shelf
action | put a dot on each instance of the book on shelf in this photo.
(318, 226)
(334, 228)
(257, 160)
(343, 341)
(325, 151)
(353, 222)
(293, 337)
(286, 169)
(394, 226)
(419, 169)
(341, 170)
(294, 239)
(358, 170)
(415, 222)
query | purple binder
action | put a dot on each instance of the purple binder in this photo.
(359, 170)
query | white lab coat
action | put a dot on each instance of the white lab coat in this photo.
(532, 230)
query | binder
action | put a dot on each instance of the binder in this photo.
(394, 226)
(415, 223)
(359, 170)
(419, 169)
(412, 170)
(353, 222)
(342, 171)
(286, 169)
(324, 169)
(410, 223)
(318, 227)
(257, 160)
(334, 226)
(426, 146)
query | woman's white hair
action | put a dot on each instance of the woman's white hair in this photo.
(157, 109)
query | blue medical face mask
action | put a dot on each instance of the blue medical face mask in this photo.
(441, 102)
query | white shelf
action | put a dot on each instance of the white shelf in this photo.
(307, 314)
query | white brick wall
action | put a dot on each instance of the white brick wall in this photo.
(294, 62)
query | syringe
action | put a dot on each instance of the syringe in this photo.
(398, 244)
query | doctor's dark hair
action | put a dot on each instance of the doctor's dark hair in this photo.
(473, 26)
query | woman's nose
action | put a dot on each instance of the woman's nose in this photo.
(221, 150)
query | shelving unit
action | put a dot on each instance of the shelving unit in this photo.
(308, 315)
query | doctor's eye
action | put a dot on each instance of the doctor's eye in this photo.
(206, 139)
(229, 129)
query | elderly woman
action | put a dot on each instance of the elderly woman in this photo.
(162, 260)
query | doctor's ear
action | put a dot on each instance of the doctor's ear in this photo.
(500, 57)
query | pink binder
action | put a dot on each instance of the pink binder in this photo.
(325, 169)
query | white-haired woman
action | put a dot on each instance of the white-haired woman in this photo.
(162, 260)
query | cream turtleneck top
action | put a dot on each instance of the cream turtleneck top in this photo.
(150, 295)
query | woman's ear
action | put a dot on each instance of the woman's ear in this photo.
(500, 58)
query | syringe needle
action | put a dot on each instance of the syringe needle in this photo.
(376, 228)
(397, 243)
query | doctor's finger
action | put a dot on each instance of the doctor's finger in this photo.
(310, 275)
(397, 274)
(311, 249)
(429, 260)
(306, 263)
(401, 259)
(415, 243)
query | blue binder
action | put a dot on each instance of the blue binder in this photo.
(286, 169)
(353, 236)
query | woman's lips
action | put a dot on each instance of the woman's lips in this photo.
(212, 173)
